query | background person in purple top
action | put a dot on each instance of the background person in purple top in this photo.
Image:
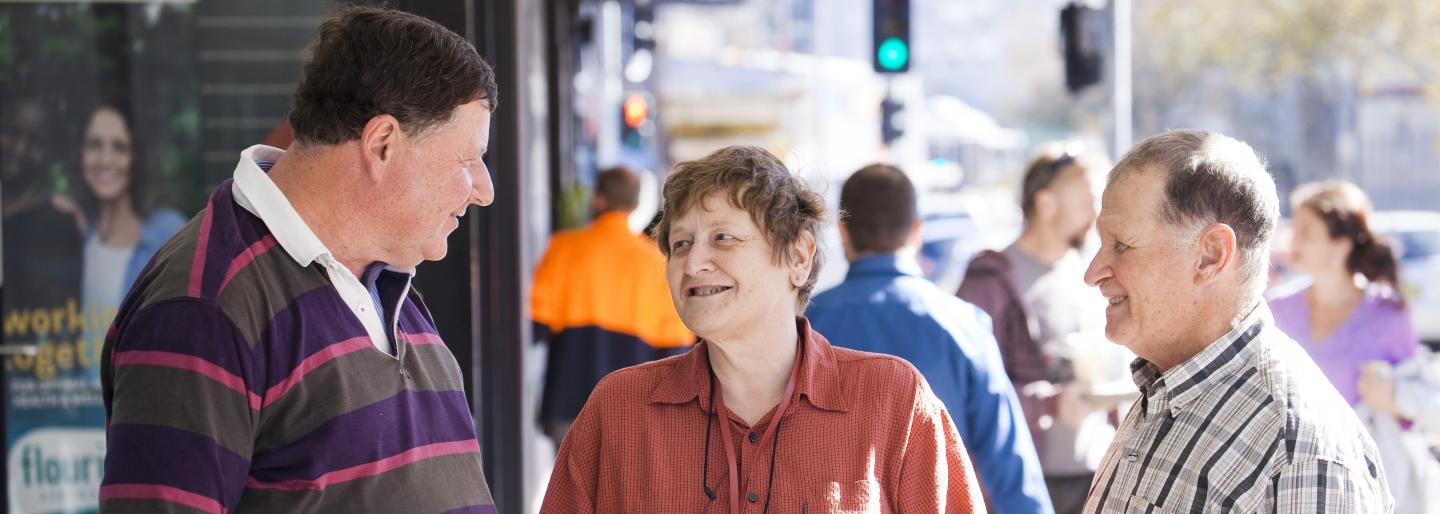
(1352, 312)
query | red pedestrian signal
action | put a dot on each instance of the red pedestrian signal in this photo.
(636, 111)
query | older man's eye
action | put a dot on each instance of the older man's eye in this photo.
(1121, 247)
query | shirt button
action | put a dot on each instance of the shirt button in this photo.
(753, 497)
(754, 437)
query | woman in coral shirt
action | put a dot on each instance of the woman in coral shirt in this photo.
(764, 415)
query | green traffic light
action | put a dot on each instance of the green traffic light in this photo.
(893, 54)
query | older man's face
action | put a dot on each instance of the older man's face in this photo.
(1144, 268)
(438, 176)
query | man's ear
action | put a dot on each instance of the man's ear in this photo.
(916, 235)
(1218, 251)
(378, 143)
(802, 258)
(1045, 204)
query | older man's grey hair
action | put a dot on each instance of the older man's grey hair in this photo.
(1213, 178)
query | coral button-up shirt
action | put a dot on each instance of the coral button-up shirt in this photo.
(862, 433)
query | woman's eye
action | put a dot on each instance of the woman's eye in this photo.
(677, 245)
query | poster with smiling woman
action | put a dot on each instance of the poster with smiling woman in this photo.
(98, 126)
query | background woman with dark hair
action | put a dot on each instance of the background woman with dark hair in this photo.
(1352, 312)
(122, 232)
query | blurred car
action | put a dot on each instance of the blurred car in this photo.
(1416, 239)
(949, 240)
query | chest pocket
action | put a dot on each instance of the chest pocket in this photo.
(1140, 505)
(857, 497)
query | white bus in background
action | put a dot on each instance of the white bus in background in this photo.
(968, 175)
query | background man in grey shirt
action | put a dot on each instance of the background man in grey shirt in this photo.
(1035, 294)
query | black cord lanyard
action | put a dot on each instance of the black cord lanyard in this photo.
(730, 455)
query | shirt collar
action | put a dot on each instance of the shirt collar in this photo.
(883, 264)
(818, 381)
(1183, 384)
(256, 193)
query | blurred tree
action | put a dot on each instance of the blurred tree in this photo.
(1273, 41)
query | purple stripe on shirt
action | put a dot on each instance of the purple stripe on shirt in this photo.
(190, 317)
(370, 469)
(191, 462)
(221, 241)
(295, 335)
(369, 434)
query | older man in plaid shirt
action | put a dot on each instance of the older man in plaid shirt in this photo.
(1233, 416)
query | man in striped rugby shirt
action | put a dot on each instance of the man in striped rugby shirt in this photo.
(273, 357)
(1233, 416)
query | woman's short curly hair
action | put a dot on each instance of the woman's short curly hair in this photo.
(755, 181)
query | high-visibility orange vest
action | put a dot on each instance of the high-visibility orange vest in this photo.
(600, 294)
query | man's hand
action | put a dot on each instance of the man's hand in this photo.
(1377, 387)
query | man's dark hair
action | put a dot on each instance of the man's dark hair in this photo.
(620, 188)
(877, 206)
(370, 61)
(1042, 171)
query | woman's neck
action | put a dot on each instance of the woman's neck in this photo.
(1335, 289)
(118, 224)
(754, 367)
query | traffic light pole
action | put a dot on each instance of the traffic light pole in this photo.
(890, 108)
(1122, 98)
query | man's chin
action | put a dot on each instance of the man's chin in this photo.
(435, 255)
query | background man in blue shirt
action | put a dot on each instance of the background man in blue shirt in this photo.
(886, 306)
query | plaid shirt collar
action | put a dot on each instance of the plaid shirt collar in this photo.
(1181, 385)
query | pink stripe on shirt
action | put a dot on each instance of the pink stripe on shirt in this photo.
(197, 267)
(246, 257)
(188, 363)
(160, 492)
(328, 354)
(399, 460)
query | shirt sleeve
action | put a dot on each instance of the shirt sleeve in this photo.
(935, 473)
(572, 488)
(182, 415)
(1399, 334)
(1319, 485)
